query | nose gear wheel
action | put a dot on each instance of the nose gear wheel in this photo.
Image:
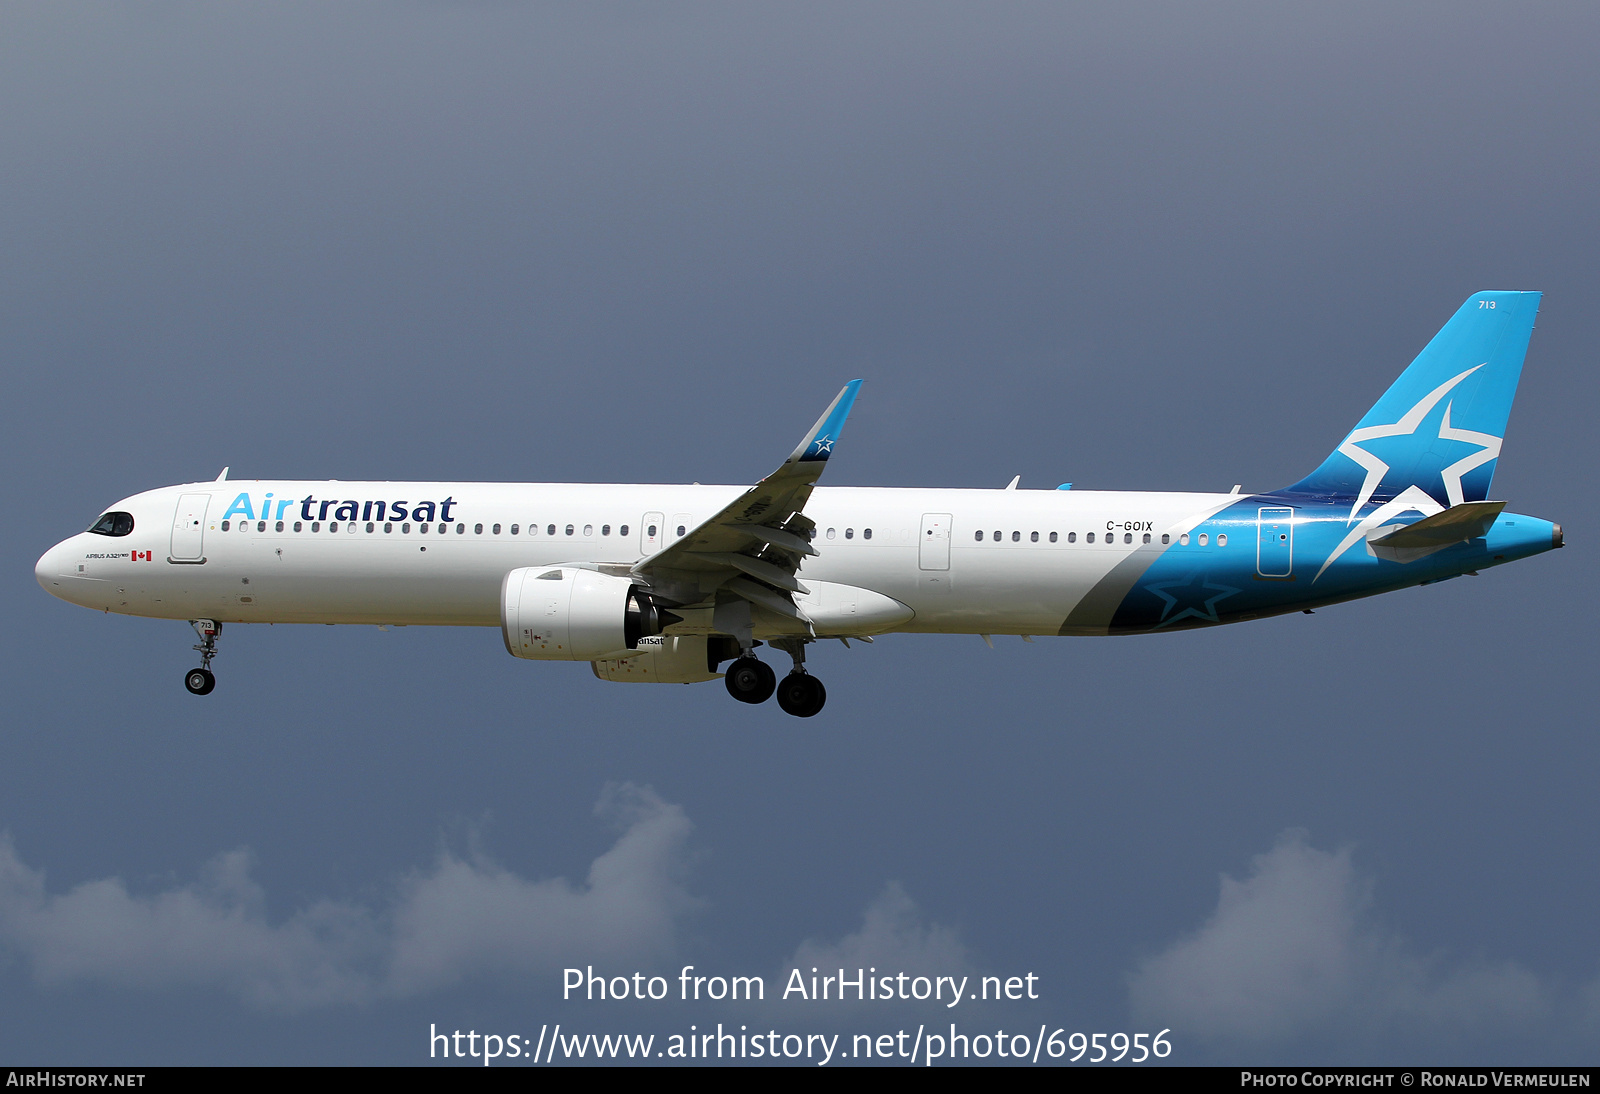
(200, 681)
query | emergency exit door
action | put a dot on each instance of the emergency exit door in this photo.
(1275, 542)
(189, 529)
(933, 545)
(650, 533)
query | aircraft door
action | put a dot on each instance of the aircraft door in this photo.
(933, 546)
(651, 533)
(1275, 542)
(189, 529)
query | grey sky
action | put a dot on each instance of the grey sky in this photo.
(1124, 246)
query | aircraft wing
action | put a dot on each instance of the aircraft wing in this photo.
(747, 554)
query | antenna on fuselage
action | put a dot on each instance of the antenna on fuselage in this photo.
(223, 477)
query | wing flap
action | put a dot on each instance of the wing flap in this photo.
(756, 568)
(754, 546)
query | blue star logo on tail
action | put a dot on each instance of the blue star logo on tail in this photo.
(1405, 438)
(1408, 434)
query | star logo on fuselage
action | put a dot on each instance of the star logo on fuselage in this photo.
(1191, 597)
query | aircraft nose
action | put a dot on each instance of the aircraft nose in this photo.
(51, 568)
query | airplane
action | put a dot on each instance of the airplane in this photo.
(667, 583)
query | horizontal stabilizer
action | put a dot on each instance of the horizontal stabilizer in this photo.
(1457, 524)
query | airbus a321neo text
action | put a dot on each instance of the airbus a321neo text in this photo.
(667, 584)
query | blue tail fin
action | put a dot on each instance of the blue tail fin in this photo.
(1438, 428)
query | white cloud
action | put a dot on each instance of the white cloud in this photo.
(459, 918)
(893, 938)
(1295, 948)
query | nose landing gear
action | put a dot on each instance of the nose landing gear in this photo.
(200, 681)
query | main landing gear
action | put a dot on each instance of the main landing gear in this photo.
(200, 681)
(799, 693)
(750, 680)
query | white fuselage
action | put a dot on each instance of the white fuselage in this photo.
(281, 559)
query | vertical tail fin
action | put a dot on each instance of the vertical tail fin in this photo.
(1439, 426)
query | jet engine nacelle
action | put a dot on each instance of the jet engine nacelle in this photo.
(563, 613)
(664, 659)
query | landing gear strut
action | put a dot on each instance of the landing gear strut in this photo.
(200, 681)
(800, 693)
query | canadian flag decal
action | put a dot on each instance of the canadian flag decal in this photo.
(142, 556)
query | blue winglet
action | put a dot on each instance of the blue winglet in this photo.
(818, 445)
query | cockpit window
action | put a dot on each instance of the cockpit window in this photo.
(113, 524)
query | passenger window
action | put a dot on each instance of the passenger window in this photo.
(1203, 539)
(496, 529)
(1089, 538)
(550, 530)
(371, 527)
(316, 526)
(651, 531)
(1127, 537)
(681, 529)
(477, 529)
(405, 529)
(514, 529)
(244, 526)
(1183, 539)
(1033, 538)
(279, 528)
(588, 530)
(978, 535)
(113, 524)
(261, 526)
(605, 529)
(569, 529)
(997, 535)
(296, 526)
(849, 533)
(1147, 537)
(461, 529)
(623, 530)
(388, 528)
(1016, 537)
(1165, 538)
(1222, 540)
(227, 526)
(830, 533)
(866, 533)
